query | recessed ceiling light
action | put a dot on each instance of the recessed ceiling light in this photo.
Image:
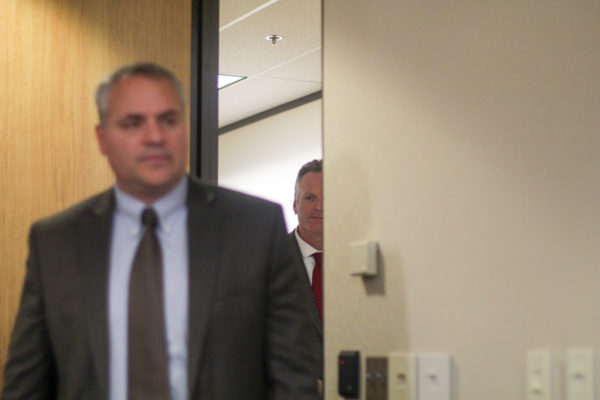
(227, 80)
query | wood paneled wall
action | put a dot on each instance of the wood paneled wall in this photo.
(52, 54)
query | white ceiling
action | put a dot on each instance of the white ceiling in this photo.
(278, 73)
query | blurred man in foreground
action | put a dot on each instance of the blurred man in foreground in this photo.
(160, 287)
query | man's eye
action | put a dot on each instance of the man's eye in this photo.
(310, 197)
(130, 124)
(169, 121)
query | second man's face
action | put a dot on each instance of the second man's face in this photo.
(144, 136)
(309, 205)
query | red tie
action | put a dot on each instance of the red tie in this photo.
(317, 282)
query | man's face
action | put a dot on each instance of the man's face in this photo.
(144, 136)
(309, 205)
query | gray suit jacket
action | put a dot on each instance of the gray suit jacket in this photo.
(248, 333)
(317, 336)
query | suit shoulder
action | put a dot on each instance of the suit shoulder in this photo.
(95, 204)
(226, 197)
(238, 197)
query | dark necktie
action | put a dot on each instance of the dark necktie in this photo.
(317, 282)
(147, 357)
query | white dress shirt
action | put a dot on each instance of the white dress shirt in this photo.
(307, 251)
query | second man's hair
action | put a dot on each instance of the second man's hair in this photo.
(311, 166)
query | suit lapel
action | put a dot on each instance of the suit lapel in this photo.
(95, 245)
(204, 243)
(314, 312)
(204, 232)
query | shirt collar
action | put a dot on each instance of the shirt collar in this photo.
(306, 249)
(131, 208)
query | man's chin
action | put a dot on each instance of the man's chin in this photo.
(160, 184)
(314, 228)
(315, 224)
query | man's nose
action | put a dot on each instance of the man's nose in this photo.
(319, 204)
(154, 132)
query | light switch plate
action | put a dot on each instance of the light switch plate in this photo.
(377, 378)
(402, 376)
(434, 377)
(581, 374)
(364, 256)
(541, 380)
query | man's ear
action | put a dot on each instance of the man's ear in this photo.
(100, 138)
(294, 206)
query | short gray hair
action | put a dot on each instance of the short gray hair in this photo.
(311, 166)
(145, 69)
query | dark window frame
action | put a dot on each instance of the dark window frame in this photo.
(204, 143)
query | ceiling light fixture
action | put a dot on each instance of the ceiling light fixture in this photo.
(224, 80)
(274, 38)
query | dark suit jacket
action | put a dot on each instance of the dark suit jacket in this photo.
(317, 337)
(248, 333)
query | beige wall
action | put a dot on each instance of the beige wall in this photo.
(263, 158)
(52, 54)
(465, 138)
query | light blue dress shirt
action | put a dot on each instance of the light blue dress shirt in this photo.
(172, 234)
